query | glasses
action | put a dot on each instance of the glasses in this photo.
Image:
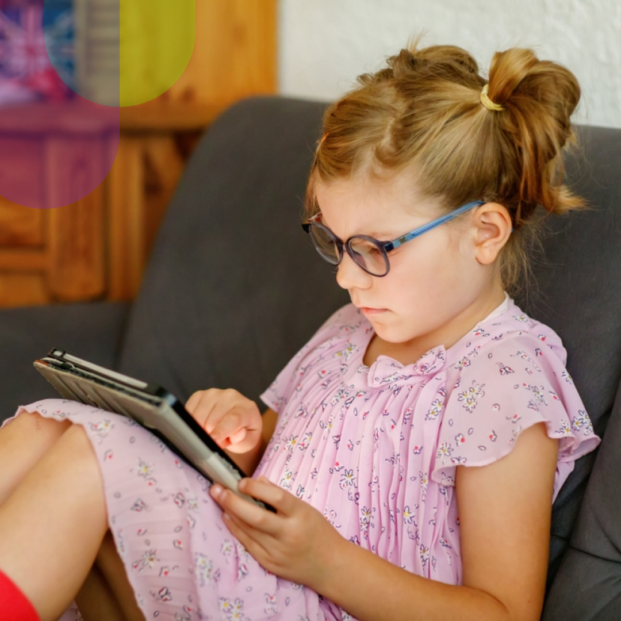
(367, 252)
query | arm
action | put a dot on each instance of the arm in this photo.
(250, 460)
(505, 511)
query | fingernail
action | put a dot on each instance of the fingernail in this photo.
(226, 516)
(216, 490)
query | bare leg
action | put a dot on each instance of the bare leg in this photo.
(112, 569)
(107, 591)
(22, 443)
(52, 525)
(96, 601)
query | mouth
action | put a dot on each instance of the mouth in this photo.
(372, 311)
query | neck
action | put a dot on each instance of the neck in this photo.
(447, 335)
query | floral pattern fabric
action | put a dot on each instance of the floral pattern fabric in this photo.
(373, 448)
(181, 560)
(376, 448)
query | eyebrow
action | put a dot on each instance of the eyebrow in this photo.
(378, 236)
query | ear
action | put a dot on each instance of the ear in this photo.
(492, 224)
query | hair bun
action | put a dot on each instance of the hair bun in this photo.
(518, 76)
(540, 97)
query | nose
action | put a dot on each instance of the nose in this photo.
(349, 275)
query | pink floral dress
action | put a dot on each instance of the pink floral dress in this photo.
(373, 448)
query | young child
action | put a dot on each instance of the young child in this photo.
(412, 448)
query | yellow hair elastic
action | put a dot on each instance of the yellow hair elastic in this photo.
(488, 103)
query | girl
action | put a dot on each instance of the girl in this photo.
(412, 448)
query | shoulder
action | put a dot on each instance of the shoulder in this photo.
(512, 353)
(510, 340)
(337, 329)
(341, 324)
(322, 349)
(512, 377)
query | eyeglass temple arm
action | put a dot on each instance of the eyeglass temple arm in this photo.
(427, 227)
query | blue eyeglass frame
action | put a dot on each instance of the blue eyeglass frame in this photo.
(386, 246)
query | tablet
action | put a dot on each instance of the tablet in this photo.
(149, 405)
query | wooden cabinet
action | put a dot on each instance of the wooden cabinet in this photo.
(98, 247)
(47, 153)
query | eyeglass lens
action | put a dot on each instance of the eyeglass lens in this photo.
(325, 244)
(366, 253)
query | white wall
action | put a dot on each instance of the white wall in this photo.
(325, 44)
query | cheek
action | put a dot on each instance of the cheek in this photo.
(426, 276)
(416, 267)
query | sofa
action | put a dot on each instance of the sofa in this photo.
(233, 289)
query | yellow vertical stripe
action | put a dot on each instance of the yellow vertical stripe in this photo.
(156, 43)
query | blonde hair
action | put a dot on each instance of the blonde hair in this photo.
(424, 112)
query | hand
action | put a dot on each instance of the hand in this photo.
(232, 420)
(296, 543)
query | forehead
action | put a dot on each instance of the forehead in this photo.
(363, 205)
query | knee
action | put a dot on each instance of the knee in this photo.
(48, 425)
(36, 427)
(41, 422)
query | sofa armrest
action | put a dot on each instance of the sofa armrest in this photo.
(90, 330)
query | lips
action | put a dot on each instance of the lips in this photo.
(372, 311)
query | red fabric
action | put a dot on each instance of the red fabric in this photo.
(14, 606)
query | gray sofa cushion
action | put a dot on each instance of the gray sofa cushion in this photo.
(234, 288)
(580, 298)
(91, 330)
(587, 586)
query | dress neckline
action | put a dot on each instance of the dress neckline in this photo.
(429, 361)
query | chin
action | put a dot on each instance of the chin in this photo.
(388, 334)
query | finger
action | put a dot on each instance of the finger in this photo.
(200, 404)
(238, 430)
(195, 397)
(247, 536)
(223, 424)
(213, 412)
(223, 417)
(249, 512)
(226, 415)
(263, 489)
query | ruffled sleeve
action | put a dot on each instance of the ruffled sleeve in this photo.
(278, 392)
(512, 384)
